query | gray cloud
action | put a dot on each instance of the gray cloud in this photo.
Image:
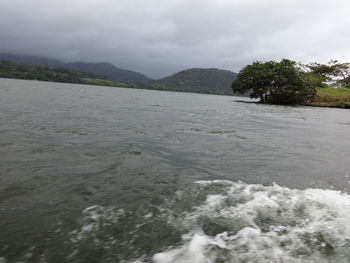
(160, 37)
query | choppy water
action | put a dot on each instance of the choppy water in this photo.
(100, 174)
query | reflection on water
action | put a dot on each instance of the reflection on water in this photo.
(87, 172)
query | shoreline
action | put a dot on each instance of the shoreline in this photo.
(323, 100)
(344, 105)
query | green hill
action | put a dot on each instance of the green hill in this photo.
(108, 71)
(15, 70)
(198, 80)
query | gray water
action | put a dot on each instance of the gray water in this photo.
(101, 174)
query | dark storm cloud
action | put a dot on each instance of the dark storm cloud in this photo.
(159, 37)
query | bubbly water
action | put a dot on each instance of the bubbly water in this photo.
(100, 174)
(237, 222)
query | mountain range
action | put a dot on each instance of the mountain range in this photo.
(103, 69)
(197, 80)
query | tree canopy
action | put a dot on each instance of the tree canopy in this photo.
(331, 70)
(334, 72)
(275, 82)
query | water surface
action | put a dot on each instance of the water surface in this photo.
(101, 174)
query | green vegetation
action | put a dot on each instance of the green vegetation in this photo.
(289, 83)
(107, 70)
(44, 73)
(338, 74)
(332, 97)
(274, 82)
(208, 81)
(329, 91)
(56, 74)
(313, 79)
(284, 82)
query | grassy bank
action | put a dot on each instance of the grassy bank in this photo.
(332, 97)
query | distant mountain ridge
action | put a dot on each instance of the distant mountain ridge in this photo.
(25, 70)
(104, 69)
(198, 80)
(195, 80)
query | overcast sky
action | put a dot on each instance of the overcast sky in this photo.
(161, 37)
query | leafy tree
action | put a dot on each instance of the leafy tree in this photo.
(333, 71)
(274, 82)
(315, 80)
(345, 83)
(322, 70)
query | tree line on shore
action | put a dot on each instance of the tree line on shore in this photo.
(288, 82)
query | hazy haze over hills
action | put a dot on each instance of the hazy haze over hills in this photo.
(196, 80)
(103, 69)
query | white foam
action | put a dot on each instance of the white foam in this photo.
(191, 253)
(264, 224)
(95, 218)
(214, 200)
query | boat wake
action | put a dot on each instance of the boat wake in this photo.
(236, 222)
(220, 221)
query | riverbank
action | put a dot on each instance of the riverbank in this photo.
(331, 97)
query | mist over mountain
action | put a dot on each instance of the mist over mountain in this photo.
(104, 69)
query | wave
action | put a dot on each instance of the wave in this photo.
(224, 221)
(238, 222)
